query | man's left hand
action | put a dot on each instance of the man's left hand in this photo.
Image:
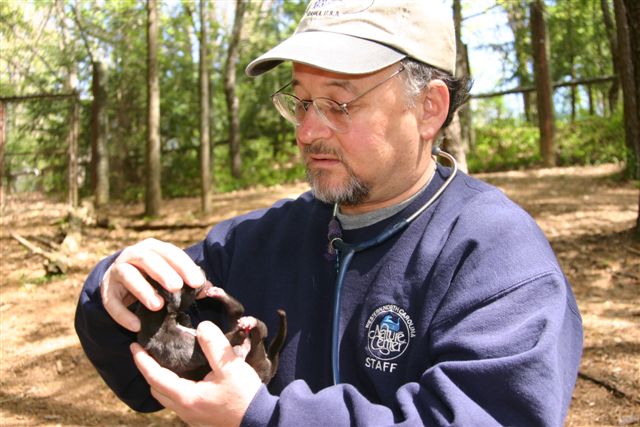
(220, 399)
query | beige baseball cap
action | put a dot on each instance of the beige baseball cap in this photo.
(363, 36)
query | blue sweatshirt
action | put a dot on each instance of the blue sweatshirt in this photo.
(465, 318)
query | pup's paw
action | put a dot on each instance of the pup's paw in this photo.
(247, 323)
(215, 292)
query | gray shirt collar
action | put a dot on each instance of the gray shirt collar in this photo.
(352, 222)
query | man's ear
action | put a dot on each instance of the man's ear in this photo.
(435, 107)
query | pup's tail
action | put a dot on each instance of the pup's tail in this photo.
(278, 340)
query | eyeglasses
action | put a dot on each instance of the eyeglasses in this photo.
(332, 113)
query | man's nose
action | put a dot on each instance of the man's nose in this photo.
(312, 127)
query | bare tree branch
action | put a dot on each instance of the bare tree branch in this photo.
(475, 15)
(82, 31)
(577, 82)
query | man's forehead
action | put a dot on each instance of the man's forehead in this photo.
(342, 84)
(303, 74)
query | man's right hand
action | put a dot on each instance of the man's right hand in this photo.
(124, 281)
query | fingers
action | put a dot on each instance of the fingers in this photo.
(243, 349)
(215, 346)
(166, 263)
(121, 314)
(180, 263)
(122, 285)
(153, 264)
(116, 298)
(206, 290)
(222, 398)
(134, 281)
(125, 281)
(163, 382)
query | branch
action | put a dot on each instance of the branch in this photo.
(480, 13)
(156, 227)
(633, 250)
(34, 53)
(96, 30)
(189, 12)
(585, 81)
(82, 31)
(33, 44)
(55, 263)
(20, 98)
(37, 153)
(611, 388)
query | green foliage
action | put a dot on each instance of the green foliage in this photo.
(261, 165)
(579, 49)
(46, 42)
(512, 144)
(592, 140)
(504, 144)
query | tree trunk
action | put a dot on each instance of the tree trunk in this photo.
(633, 19)
(456, 136)
(516, 16)
(71, 85)
(72, 140)
(205, 147)
(230, 90)
(214, 59)
(613, 47)
(2, 147)
(542, 77)
(99, 144)
(627, 79)
(452, 143)
(628, 30)
(572, 65)
(153, 194)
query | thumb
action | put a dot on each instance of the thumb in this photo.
(215, 345)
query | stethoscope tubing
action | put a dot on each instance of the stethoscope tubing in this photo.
(346, 251)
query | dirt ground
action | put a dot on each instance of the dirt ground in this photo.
(46, 380)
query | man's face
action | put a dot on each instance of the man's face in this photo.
(380, 160)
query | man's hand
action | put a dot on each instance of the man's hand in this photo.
(124, 282)
(220, 399)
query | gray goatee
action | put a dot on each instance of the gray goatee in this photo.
(350, 193)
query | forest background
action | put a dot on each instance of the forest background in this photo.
(121, 120)
(92, 101)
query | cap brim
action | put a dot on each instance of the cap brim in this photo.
(334, 52)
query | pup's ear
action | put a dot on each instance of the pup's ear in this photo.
(435, 107)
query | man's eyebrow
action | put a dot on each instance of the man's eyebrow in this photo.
(343, 84)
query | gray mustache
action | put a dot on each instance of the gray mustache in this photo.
(320, 149)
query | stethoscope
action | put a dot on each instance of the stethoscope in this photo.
(344, 253)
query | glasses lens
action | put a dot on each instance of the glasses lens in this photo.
(333, 114)
(289, 107)
(294, 110)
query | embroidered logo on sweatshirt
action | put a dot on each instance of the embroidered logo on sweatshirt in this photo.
(389, 334)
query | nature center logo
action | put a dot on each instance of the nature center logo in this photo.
(389, 333)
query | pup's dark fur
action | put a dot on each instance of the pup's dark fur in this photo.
(168, 336)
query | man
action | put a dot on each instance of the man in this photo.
(460, 315)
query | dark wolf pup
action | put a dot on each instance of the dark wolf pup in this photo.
(169, 337)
